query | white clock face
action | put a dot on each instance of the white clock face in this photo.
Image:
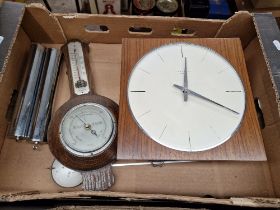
(186, 97)
(87, 129)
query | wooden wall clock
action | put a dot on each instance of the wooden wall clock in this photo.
(187, 100)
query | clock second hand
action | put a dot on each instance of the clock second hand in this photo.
(203, 97)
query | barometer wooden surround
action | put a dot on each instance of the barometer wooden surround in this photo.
(83, 132)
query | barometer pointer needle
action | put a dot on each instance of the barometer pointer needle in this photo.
(86, 125)
(203, 97)
(81, 119)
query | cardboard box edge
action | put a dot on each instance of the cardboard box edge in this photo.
(233, 201)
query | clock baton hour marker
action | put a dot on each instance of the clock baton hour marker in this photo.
(145, 71)
(144, 113)
(160, 57)
(138, 91)
(206, 52)
(163, 131)
(233, 91)
(214, 131)
(182, 51)
(190, 142)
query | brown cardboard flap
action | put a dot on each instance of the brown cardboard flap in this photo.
(41, 25)
(118, 208)
(118, 27)
(263, 90)
(260, 81)
(239, 25)
(218, 179)
(244, 202)
(11, 77)
(272, 135)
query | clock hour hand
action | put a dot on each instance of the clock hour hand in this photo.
(185, 80)
(203, 97)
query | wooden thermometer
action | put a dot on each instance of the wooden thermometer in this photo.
(83, 132)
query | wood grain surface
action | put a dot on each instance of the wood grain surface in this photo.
(245, 145)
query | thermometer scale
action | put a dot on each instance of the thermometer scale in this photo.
(78, 69)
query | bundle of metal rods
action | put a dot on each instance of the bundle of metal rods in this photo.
(31, 118)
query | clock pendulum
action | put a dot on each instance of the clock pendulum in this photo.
(83, 132)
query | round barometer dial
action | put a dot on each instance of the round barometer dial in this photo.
(87, 129)
(186, 97)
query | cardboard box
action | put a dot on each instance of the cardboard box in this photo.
(25, 173)
(265, 4)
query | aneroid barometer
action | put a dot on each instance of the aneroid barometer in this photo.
(82, 134)
(186, 97)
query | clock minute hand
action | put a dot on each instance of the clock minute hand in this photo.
(203, 97)
(209, 100)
